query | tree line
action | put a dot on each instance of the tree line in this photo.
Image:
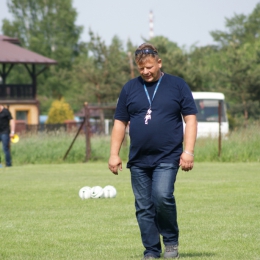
(95, 72)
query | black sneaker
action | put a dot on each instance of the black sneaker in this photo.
(171, 251)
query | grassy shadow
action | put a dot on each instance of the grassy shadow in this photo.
(196, 254)
(204, 255)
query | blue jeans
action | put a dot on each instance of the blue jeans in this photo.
(5, 138)
(155, 205)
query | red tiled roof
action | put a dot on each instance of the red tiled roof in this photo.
(9, 39)
(10, 52)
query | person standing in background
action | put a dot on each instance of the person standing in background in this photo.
(7, 131)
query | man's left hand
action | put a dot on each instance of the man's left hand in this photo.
(186, 162)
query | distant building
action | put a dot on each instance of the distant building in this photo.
(20, 98)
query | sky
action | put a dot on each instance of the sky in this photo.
(185, 22)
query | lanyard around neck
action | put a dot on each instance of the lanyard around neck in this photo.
(147, 94)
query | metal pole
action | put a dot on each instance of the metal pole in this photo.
(219, 123)
(65, 156)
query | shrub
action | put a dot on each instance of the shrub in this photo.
(59, 112)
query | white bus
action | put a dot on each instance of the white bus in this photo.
(208, 114)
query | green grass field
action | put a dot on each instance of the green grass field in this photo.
(42, 216)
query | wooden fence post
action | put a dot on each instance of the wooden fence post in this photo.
(87, 131)
(219, 123)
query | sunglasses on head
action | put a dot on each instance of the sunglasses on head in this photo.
(145, 51)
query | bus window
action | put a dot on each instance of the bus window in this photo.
(208, 110)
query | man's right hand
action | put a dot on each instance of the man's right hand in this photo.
(115, 164)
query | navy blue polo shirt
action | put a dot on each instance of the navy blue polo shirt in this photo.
(161, 139)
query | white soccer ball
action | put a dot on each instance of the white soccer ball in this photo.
(85, 192)
(96, 192)
(109, 191)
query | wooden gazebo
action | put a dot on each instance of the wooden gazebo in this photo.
(21, 99)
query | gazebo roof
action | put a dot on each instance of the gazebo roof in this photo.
(12, 53)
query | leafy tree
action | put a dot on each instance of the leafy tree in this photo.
(204, 62)
(238, 74)
(59, 112)
(237, 66)
(100, 77)
(252, 25)
(236, 31)
(47, 27)
(176, 61)
(240, 29)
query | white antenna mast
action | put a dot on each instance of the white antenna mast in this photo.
(151, 33)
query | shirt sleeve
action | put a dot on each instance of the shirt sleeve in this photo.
(121, 108)
(9, 115)
(187, 101)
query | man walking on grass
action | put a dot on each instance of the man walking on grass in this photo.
(155, 103)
